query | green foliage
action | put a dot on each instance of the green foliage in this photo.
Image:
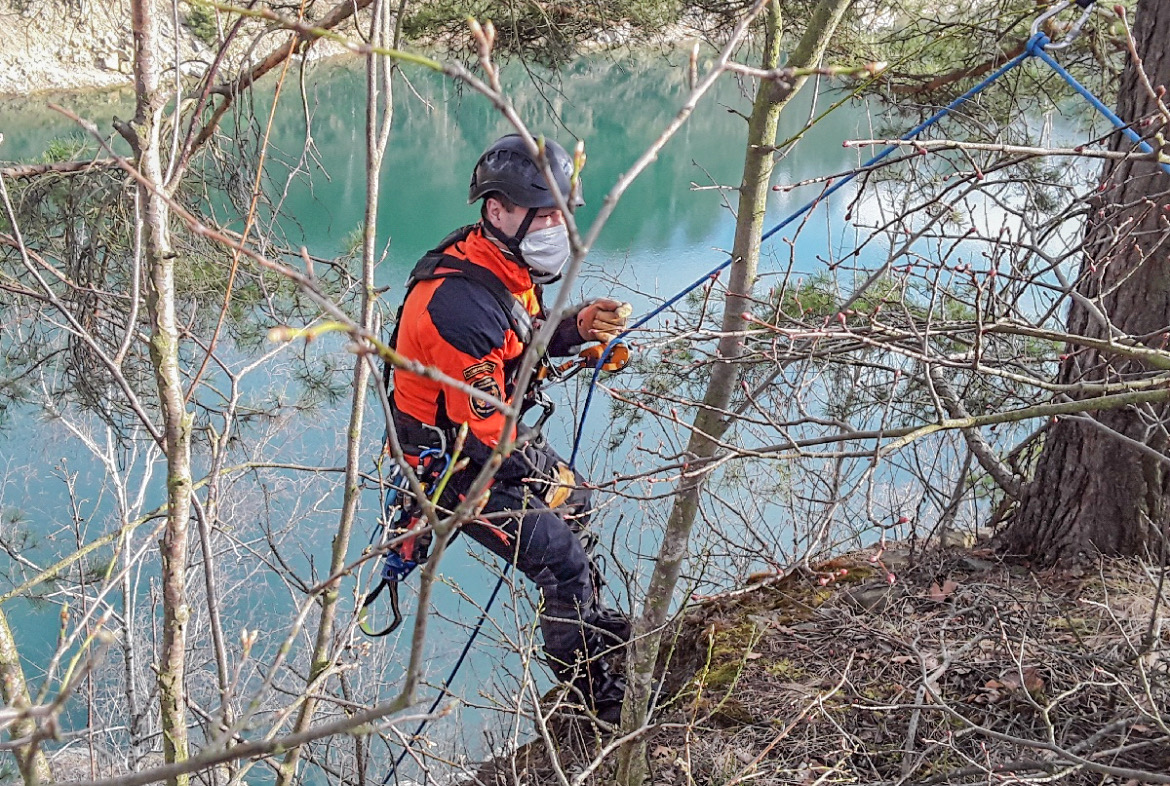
(81, 222)
(201, 23)
(322, 382)
(14, 529)
(66, 148)
(97, 568)
(16, 536)
(936, 51)
(12, 392)
(549, 34)
(351, 244)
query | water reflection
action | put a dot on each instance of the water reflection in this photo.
(661, 236)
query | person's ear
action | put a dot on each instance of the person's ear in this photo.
(493, 209)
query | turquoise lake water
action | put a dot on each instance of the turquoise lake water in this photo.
(669, 229)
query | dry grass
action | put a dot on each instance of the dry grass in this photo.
(964, 670)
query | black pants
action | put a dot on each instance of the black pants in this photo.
(545, 545)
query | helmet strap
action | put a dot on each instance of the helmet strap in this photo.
(527, 222)
(511, 242)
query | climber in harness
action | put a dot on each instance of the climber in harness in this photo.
(472, 306)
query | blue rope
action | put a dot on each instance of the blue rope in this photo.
(1036, 47)
(444, 690)
(918, 129)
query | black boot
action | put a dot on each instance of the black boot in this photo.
(602, 688)
(608, 691)
(615, 624)
(590, 672)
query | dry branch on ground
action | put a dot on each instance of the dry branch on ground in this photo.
(965, 669)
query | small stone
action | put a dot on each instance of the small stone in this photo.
(975, 563)
(873, 599)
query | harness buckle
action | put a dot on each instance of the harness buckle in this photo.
(547, 406)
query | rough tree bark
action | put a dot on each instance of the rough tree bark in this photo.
(159, 259)
(710, 421)
(1096, 491)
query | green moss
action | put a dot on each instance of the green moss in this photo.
(857, 574)
(784, 669)
(796, 603)
(201, 23)
(726, 656)
(723, 677)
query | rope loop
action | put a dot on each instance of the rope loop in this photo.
(1086, 7)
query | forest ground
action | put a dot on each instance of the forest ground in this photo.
(940, 666)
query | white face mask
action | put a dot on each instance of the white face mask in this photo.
(546, 251)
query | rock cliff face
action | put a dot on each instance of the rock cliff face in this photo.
(71, 44)
(48, 45)
(52, 45)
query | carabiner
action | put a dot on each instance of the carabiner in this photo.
(547, 406)
(1074, 31)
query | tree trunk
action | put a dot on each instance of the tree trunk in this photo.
(710, 422)
(34, 767)
(379, 117)
(164, 355)
(1096, 491)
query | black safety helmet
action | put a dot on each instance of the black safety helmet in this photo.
(507, 167)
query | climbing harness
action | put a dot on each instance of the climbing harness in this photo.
(402, 515)
(436, 264)
(547, 373)
(396, 567)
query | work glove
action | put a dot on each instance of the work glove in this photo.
(552, 480)
(559, 489)
(603, 319)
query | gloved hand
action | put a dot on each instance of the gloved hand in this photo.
(603, 319)
(551, 480)
(559, 490)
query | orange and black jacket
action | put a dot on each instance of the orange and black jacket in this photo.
(470, 328)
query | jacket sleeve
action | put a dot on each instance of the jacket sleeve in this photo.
(567, 339)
